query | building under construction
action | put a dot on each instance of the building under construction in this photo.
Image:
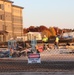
(11, 21)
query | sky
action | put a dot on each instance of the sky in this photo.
(50, 13)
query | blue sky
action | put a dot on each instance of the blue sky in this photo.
(58, 13)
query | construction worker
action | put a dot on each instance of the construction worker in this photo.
(45, 41)
(57, 42)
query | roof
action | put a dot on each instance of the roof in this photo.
(18, 6)
(13, 2)
(8, 1)
(34, 33)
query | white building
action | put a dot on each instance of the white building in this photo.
(30, 36)
(68, 34)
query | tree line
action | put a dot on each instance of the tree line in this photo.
(49, 32)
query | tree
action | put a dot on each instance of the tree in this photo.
(25, 30)
(41, 28)
(46, 32)
(32, 28)
(52, 30)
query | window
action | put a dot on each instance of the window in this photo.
(2, 17)
(4, 27)
(2, 6)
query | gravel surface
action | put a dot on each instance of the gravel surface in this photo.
(23, 66)
(49, 62)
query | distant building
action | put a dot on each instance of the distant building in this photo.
(68, 35)
(11, 21)
(30, 35)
